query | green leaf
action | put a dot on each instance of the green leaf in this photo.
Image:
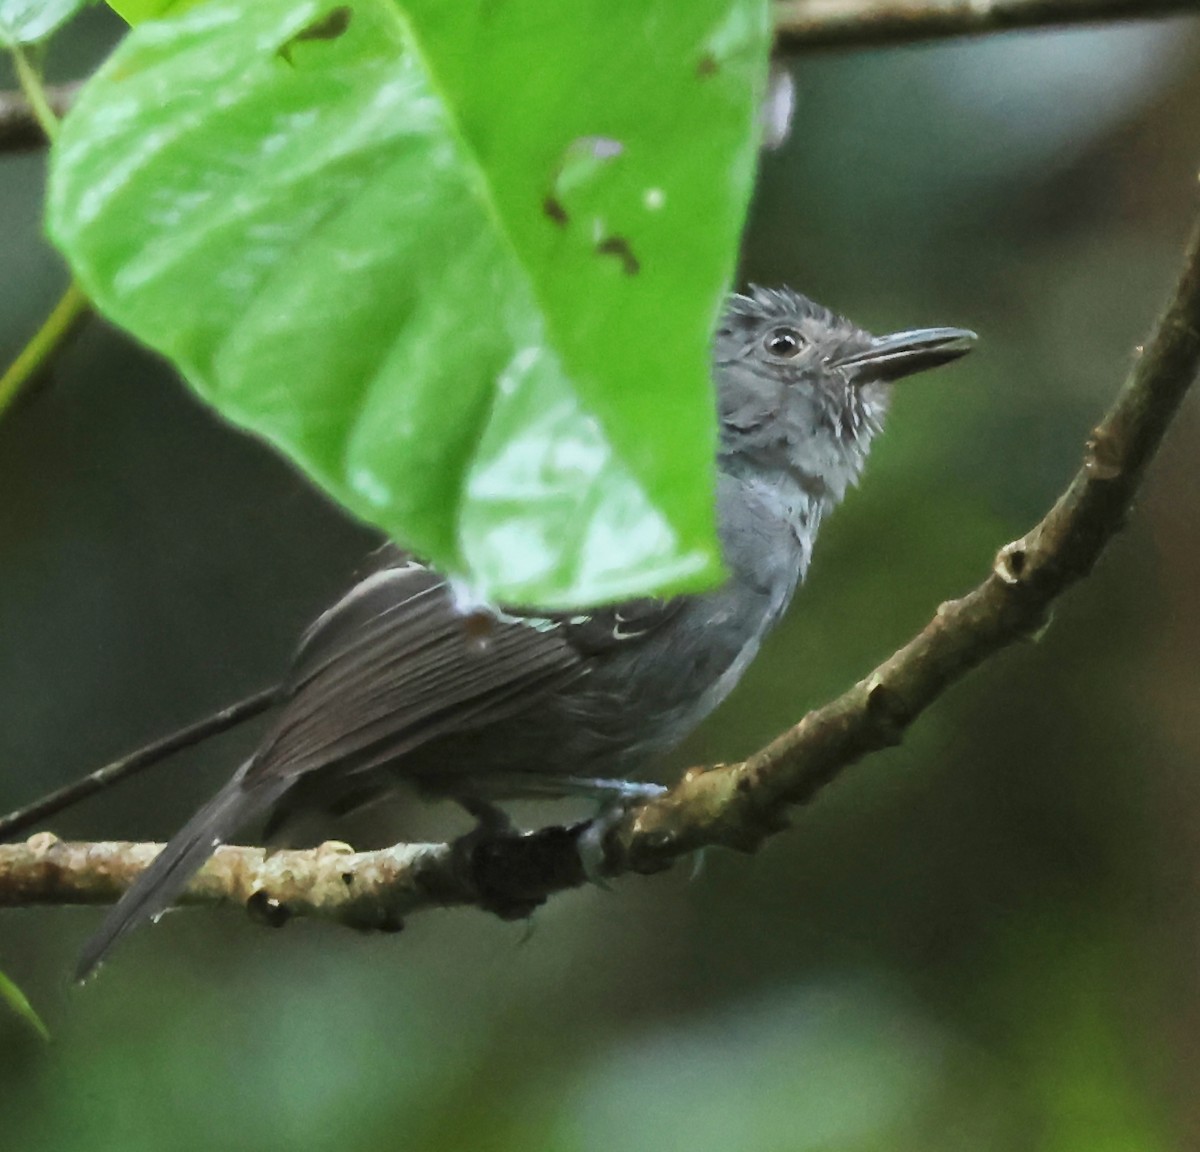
(461, 261)
(27, 21)
(16, 1000)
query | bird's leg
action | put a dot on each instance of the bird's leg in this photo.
(492, 823)
(490, 819)
(481, 854)
(622, 792)
(616, 797)
(591, 839)
(534, 786)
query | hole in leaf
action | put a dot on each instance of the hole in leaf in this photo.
(553, 209)
(619, 247)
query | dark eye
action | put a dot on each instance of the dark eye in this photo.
(784, 342)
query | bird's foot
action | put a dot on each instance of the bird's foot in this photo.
(619, 796)
(486, 855)
(549, 786)
(591, 843)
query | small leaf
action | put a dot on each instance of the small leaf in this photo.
(382, 236)
(16, 1000)
(27, 21)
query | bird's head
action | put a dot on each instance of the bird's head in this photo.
(803, 390)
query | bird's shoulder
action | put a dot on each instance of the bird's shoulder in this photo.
(612, 627)
(395, 588)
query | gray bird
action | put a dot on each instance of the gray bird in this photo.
(402, 680)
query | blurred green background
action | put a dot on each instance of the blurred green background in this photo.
(986, 939)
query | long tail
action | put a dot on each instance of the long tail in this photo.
(168, 874)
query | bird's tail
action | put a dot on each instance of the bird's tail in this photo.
(169, 872)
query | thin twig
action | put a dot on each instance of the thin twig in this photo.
(735, 806)
(40, 810)
(806, 24)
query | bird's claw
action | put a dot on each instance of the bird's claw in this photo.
(612, 812)
(590, 844)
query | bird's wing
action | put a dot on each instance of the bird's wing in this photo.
(615, 626)
(397, 662)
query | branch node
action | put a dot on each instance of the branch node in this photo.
(41, 842)
(1010, 565)
(757, 815)
(266, 910)
(1101, 458)
(334, 848)
(885, 711)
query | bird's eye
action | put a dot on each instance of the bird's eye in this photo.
(784, 342)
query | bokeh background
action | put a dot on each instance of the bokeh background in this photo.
(986, 939)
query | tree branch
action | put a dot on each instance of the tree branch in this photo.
(738, 805)
(799, 25)
(806, 24)
(19, 127)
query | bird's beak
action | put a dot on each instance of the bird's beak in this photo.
(888, 358)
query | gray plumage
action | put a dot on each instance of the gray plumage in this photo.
(403, 679)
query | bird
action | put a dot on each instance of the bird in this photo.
(405, 679)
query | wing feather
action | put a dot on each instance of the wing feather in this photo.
(396, 663)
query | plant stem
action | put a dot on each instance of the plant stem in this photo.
(35, 92)
(58, 326)
(73, 305)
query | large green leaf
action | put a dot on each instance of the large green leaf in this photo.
(26, 21)
(460, 260)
